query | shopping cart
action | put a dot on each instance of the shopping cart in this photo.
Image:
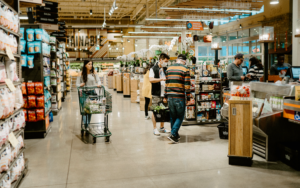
(95, 100)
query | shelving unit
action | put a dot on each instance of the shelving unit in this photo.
(3, 85)
(206, 109)
(37, 129)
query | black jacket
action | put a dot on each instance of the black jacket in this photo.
(156, 87)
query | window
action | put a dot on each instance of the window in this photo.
(243, 34)
(234, 48)
(232, 36)
(223, 51)
(211, 52)
(254, 31)
(202, 51)
(230, 50)
(244, 48)
(202, 58)
(255, 47)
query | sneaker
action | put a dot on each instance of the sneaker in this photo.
(173, 138)
(147, 117)
(163, 130)
(155, 132)
(178, 137)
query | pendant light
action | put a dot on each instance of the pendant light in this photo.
(274, 2)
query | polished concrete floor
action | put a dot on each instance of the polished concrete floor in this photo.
(135, 158)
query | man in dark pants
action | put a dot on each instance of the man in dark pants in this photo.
(177, 87)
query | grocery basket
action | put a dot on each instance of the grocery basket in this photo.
(95, 100)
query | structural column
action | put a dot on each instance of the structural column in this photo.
(296, 44)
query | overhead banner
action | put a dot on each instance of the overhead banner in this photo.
(194, 26)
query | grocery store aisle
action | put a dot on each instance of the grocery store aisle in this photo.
(137, 158)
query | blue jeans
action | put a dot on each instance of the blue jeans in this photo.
(86, 119)
(177, 110)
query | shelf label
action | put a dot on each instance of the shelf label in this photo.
(12, 139)
(10, 85)
(9, 53)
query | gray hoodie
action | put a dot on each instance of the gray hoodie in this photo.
(234, 72)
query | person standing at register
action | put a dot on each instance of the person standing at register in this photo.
(281, 68)
(234, 70)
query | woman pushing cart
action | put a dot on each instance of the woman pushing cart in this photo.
(93, 99)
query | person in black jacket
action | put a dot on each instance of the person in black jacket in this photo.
(157, 78)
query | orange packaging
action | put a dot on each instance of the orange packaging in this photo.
(40, 102)
(38, 86)
(30, 88)
(24, 92)
(25, 114)
(31, 115)
(40, 114)
(25, 101)
(31, 101)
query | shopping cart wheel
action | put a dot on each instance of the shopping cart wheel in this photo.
(82, 133)
(94, 140)
(107, 139)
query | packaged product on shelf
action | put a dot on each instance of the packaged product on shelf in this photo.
(30, 47)
(54, 106)
(23, 118)
(52, 40)
(190, 112)
(53, 73)
(46, 61)
(30, 34)
(4, 104)
(240, 91)
(47, 81)
(40, 114)
(23, 46)
(213, 104)
(31, 115)
(18, 98)
(24, 91)
(51, 117)
(30, 88)
(37, 47)
(13, 72)
(53, 99)
(40, 101)
(24, 60)
(25, 114)
(11, 100)
(5, 158)
(217, 87)
(217, 95)
(30, 61)
(25, 100)
(2, 72)
(22, 33)
(31, 101)
(53, 48)
(53, 81)
(39, 34)
(38, 87)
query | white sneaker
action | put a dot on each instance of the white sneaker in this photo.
(155, 132)
(164, 130)
(147, 117)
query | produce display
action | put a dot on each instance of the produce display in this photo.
(240, 91)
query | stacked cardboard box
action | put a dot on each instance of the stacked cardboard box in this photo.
(126, 85)
(142, 99)
(134, 86)
(119, 83)
(110, 82)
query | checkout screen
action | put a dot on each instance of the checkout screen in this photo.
(245, 71)
(296, 72)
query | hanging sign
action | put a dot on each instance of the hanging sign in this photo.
(194, 26)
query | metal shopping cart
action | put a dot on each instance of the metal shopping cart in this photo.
(95, 100)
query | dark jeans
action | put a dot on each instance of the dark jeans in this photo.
(147, 105)
(177, 110)
(86, 120)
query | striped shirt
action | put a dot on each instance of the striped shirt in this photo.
(178, 83)
(256, 73)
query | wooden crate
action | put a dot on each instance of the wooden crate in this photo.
(110, 83)
(240, 132)
(115, 82)
(134, 85)
(133, 96)
(119, 83)
(142, 105)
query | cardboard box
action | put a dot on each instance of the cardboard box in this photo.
(133, 96)
(134, 85)
(126, 86)
(119, 83)
(110, 82)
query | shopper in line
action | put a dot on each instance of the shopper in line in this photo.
(88, 78)
(146, 90)
(256, 70)
(280, 68)
(234, 70)
(178, 86)
(157, 79)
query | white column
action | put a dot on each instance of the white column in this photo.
(183, 36)
(296, 44)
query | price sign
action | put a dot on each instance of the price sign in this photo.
(10, 85)
(9, 53)
(13, 140)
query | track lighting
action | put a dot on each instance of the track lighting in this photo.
(274, 2)
(117, 48)
(241, 26)
(91, 12)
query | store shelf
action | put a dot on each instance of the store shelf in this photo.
(16, 133)
(10, 31)
(46, 42)
(24, 172)
(211, 91)
(46, 55)
(15, 12)
(291, 104)
(208, 109)
(3, 85)
(15, 113)
(46, 75)
(3, 175)
(48, 99)
(15, 55)
(47, 112)
(208, 100)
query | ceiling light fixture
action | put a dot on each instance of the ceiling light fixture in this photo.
(274, 2)
(91, 12)
(127, 40)
(121, 30)
(241, 26)
(117, 48)
(155, 32)
(181, 20)
(23, 17)
(212, 10)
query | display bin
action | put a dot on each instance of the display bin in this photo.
(289, 153)
(162, 115)
(223, 130)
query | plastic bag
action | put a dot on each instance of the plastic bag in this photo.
(31, 116)
(30, 61)
(18, 98)
(38, 86)
(4, 104)
(40, 114)
(31, 101)
(13, 71)
(2, 72)
(40, 102)
(30, 34)
(30, 88)
(24, 91)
